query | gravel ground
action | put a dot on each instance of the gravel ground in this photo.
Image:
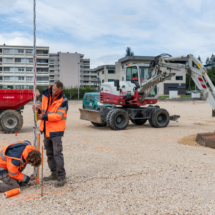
(141, 170)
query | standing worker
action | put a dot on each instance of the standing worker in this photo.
(13, 160)
(52, 110)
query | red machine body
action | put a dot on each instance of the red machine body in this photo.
(14, 99)
(108, 98)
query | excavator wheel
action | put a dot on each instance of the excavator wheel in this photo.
(159, 118)
(119, 119)
(138, 121)
(11, 121)
(108, 117)
(99, 124)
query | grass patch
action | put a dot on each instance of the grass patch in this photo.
(163, 97)
(185, 96)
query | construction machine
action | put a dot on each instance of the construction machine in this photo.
(130, 96)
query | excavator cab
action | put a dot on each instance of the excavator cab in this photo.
(139, 74)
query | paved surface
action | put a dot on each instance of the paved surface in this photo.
(141, 170)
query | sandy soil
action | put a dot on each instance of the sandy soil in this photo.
(140, 170)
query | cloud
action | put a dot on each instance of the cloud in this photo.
(102, 30)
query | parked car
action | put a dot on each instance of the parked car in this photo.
(92, 101)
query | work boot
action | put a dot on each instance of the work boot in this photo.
(52, 177)
(60, 181)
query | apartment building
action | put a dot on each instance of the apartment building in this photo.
(176, 83)
(17, 70)
(72, 69)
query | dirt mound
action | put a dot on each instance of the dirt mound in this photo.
(189, 140)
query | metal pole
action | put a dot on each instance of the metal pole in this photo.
(78, 79)
(35, 79)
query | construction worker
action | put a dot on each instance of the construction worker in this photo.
(13, 160)
(52, 108)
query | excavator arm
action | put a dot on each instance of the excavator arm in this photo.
(168, 67)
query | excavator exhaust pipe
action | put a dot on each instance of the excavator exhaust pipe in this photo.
(90, 115)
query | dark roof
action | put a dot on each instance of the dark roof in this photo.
(148, 58)
(102, 67)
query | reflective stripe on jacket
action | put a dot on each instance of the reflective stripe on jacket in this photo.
(13, 158)
(54, 113)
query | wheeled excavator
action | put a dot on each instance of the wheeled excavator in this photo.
(130, 96)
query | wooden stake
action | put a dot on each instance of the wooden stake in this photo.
(42, 175)
(38, 169)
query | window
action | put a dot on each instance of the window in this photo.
(8, 78)
(51, 66)
(131, 73)
(29, 69)
(29, 60)
(7, 60)
(19, 69)
(42, 69)
(86, 67)
(103, 81)
(8, 69)
(19, 51)
(110, 80)
(122, 78)
(102, 72)
(42, 61)
(87, 97)
(98, 74)
(19, 78)
(111, 71)
(179, 78)
(0, 78)
(20, 60)
(42, 79)
(29, 51)
(91, 99)
(29, 78)
(51, 70)
(8, 51)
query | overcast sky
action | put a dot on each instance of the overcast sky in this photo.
(102, 29)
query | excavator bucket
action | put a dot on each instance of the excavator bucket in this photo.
(90, 115)
(206, 139)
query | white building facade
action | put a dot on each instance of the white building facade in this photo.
(17, 70)
(176, 83)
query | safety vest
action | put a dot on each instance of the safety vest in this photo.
(13, 158)
(54, 113)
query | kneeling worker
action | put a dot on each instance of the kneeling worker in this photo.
(13, 160)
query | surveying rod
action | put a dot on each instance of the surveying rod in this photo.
(35, 83)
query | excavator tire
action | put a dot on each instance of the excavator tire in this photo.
(11, 121)
(119, 119)
(99, 124)
(160, 118)
(108, 117)
(138, 121)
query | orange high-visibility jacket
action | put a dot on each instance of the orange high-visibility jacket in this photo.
(13, 158)
(54, 113)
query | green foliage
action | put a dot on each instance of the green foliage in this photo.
(211, 74)
(72, 93)
(192, 84)
(129, 52)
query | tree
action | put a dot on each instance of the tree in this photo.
(211, 74)
(207, 61)
(212, 60)
(199, 58)
(129, 52)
